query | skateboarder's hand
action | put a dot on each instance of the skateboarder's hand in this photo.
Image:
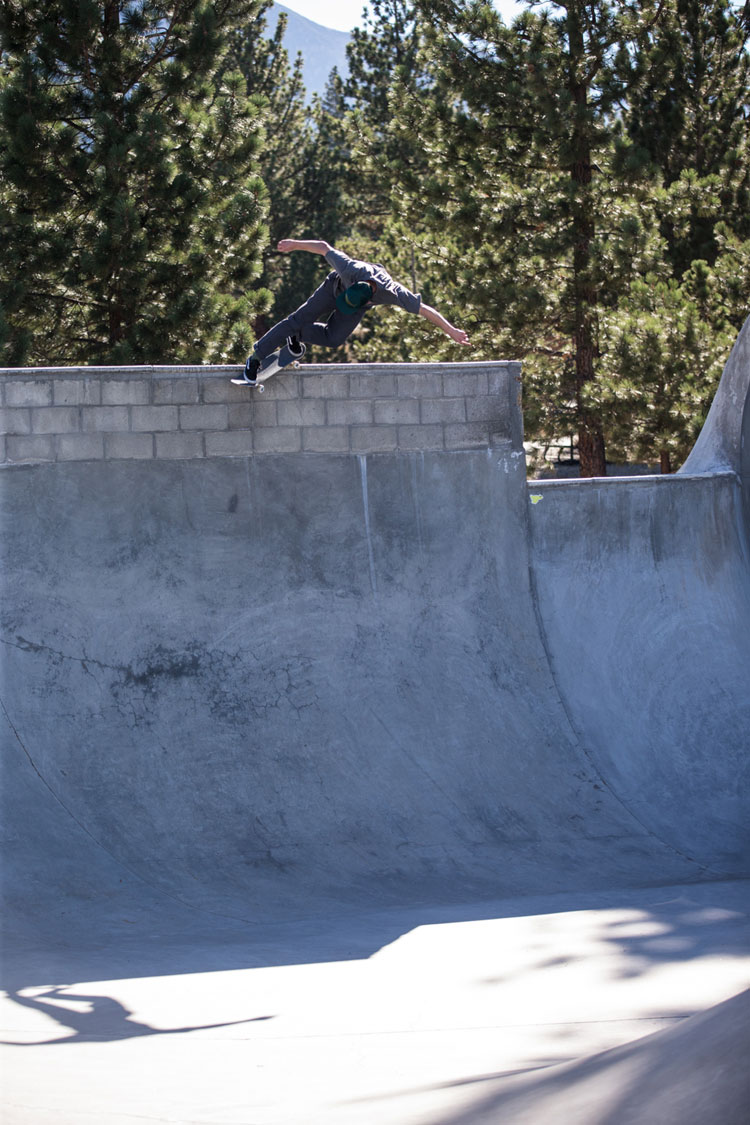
(460, 336)
(312, 245)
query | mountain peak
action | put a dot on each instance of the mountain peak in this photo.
(322, 48)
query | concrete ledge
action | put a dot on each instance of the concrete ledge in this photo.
(185, 413)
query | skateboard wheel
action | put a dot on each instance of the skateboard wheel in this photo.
(261, 388)
(295, 363)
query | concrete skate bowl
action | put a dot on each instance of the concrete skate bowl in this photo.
(309, 679)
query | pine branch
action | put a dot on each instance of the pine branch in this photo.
(162, 53)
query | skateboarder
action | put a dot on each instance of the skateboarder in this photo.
(336, 307)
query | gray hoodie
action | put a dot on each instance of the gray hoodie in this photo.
(389, 292)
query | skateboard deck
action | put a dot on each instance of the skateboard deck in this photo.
(272, 364)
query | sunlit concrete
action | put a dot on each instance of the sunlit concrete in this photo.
(424, 1030)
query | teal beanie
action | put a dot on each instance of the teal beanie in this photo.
(353, 298)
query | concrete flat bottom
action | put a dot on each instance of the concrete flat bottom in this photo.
(399, 1017)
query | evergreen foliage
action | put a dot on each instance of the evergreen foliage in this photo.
(529, 184)
(687, 111)
(296, 164)
(385, 72)
(573, 189)
(131, 215)
(382, 55)
(550, 218)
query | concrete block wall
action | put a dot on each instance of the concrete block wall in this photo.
(144, 413)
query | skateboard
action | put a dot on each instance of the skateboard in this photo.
(272, 364)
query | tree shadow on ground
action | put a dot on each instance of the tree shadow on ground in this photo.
(690, 1074)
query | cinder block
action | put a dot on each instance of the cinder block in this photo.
(443, 410)
(179, 446)
(373, 439)
(154, 418)
(264, 413)
(31, 448)
(80, 447)
(287, 439)
(129, 447)
(469, 383)
(174, 392)
(235, 443)
(285, 385)
(372, 386)
(77, 392)
(26, 393)
(344, 412)
(55, 420)
(16, 421)
(497, 380)
(470, 435)
(240, 415)
(224, 390)
(104, 418)
(326, 439)
(420, 437)
(326, 384)
(307, 412)
(499, 377)
(404, 411)
(125, 392)
(418, 385)
(487, 408)
(203, 417)
(3, 450)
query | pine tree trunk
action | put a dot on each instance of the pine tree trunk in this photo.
(591, 454)
(665, 461)
(115, 320)
(590, 437)
(591, 451)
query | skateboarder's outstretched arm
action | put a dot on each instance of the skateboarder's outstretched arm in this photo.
(437, 318)
(313, 246)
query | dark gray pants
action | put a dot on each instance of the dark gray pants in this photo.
(318, 321)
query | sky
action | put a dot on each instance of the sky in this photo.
(344, 16)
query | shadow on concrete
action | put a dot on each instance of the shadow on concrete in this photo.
(105, 1019)
(690, 1074)
(638, 931)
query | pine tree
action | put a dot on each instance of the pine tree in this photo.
(522, 199)
(525, 174)
(324, 202)
(132, 219)
(302, 163)
(688, 110)
(385, 67)
(282, 160)
(663, 353)
(383, 57)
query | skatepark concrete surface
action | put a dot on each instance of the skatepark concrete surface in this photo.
(377, 788)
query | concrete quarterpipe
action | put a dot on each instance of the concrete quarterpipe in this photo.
(288, 683)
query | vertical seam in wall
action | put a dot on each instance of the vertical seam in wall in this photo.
(362, 458)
